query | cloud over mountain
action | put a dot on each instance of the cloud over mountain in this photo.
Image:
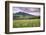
(28, 10)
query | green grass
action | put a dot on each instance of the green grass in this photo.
(26, 23)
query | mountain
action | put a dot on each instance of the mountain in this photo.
(22, 15)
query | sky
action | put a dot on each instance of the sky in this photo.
(30, 10)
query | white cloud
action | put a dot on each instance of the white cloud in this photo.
(32, 11)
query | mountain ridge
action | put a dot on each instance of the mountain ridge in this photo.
(22, 13)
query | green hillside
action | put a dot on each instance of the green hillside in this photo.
(24, 20)
(26, 23)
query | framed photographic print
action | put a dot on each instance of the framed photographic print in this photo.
(24, 17)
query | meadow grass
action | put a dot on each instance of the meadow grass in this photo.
(26, 23)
